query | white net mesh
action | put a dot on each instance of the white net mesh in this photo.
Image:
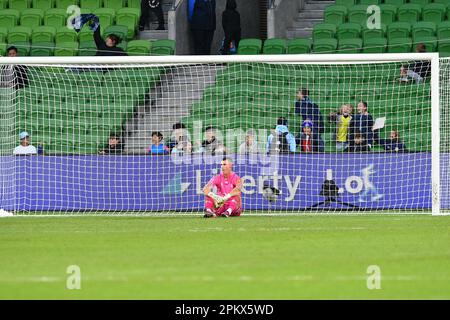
(145, 138)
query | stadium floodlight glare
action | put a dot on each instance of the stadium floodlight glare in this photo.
(73, 106)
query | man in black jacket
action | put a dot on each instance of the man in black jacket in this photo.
(231, 23)
(203, 25)
(108, 47)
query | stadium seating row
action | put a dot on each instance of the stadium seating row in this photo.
(64, 4)
(66, 46)
(32, 18)
(409, 12)
(369, 44)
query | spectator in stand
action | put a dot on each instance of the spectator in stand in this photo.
(281, 140)
(417, 70)
(108, 47)
(309, 110)
(203, 25)
(342, 120)
(359, 145)
(114, 146)
(250, 145)
(25, 147)
(14, 75)
(231, 23)
(393, 144)
(157, 147)
(155, 6)
(211, 145)
(309, 140)
(362, 123)
(179, 141)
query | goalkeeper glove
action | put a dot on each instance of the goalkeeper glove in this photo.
(226, 197)
(214, 196)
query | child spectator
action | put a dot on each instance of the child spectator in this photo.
(309, 140)
(114, 146)
(393, 144)
(417, 70)
(250, 145)
(359, 145)
(231, 23)
(343, 124)
(211, 145)
(281, 140)
(25, 146)
(157, 147)
(179, 141)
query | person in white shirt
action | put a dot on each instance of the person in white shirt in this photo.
(250, 145)
(25, 147)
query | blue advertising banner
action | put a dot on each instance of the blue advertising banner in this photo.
(159, 183)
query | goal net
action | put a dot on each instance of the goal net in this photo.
(323, 133)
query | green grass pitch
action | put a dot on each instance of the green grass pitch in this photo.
(251, 257)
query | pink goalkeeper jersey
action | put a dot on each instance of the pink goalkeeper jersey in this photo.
(225, 185)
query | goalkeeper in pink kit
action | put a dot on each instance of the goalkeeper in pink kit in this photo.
(227, 200)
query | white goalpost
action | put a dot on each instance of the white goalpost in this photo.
(306, 133)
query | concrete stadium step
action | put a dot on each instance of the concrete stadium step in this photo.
(299, 33)
(317, 5)
(306, 23)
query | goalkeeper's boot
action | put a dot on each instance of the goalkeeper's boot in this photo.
(208, 214)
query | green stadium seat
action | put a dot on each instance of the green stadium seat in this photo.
(409, 12)
(248, 46)
(299, 46)
(120, 31)
(395, 2)
(55, 18)
(42, 49)
(114, 4)
(373, 33)
(64, 4)
(444, 2)
(19, 34)
(19, 4)
(86, 34)
(420, 2)
(350, 45)
(43, 4)
(324, 31)
(388, 13)
(123, 45)
(66, 49)
(429, 42)
(369, 2)
(87, 48)
(444, 48)
(91, 4)
(348, 31)
(43, 34)
(357, 14)
(443, 30)
(134, 4)
(9, 18)
(434, 12)
(167, 47)
(2, 49)
(31, 18)
(3, 4)
(274, 46)
(423, 29)
(106, 16)
(347, 3)
(64, 34)
(139, 47)
(399, 45)
(374, 45)
(3, 34)
(324, 45)
(23, 47)
(335, 14)
(398, 30)
(128, 17)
